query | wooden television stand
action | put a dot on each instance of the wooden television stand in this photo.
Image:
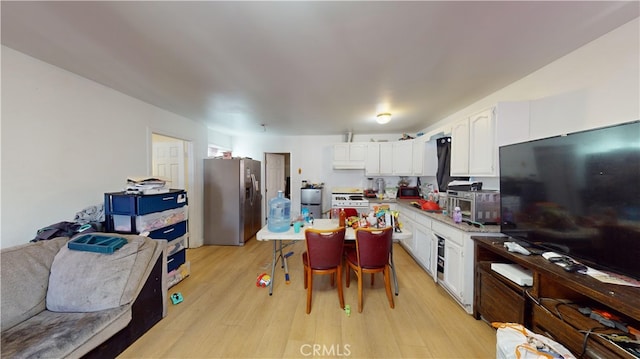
(551, 305)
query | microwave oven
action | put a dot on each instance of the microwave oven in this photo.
(476, 206)
(408, 192)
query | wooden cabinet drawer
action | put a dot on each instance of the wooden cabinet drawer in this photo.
(136, 205)
(448, 232)
(499, 301)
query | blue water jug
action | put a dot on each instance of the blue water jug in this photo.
(279, 213)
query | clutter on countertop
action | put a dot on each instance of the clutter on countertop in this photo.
(306, 184)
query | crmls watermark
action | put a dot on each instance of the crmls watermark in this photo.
(321, 350)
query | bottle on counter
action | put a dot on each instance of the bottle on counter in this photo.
(343, 218)
(457, 215)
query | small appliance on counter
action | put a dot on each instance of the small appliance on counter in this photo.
(408, 193)
(380, 186)
(464, 186)
(476, 206)
(369, 193)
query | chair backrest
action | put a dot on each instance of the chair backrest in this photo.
(324, 247)
(373, 246)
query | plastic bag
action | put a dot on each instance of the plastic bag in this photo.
(514, 341)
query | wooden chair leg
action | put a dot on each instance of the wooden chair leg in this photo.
(372, 277)
(340, 292)
(360, 279)
(348, 275)
(333, 279)
(305, 268)
(387, 284)
(309, 289)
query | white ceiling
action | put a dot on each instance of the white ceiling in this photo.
(307, 67)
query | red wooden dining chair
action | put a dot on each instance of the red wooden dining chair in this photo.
(373, 248)
(323, 256)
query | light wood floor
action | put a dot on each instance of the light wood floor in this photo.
(224, 314)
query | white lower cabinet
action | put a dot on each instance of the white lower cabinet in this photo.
(424, 245)
(458, 274)
(421, 245)
(408, 223)
(453, 270)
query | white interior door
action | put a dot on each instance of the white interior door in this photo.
(168, 162)
(275, 176)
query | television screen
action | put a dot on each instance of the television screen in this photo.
(577, 194)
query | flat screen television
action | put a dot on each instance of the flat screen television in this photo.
(578, 195)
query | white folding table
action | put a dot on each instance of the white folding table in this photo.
(282, 240)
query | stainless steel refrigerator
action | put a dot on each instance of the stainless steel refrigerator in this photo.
(311, 199)
(232, 201)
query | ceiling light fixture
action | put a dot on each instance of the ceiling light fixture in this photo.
(383, 118)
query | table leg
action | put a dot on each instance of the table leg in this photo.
(278, 248)
(393, 271)
(273, 267)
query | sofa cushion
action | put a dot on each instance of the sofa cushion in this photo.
(86, 281)
(62, 335)
(24, 270)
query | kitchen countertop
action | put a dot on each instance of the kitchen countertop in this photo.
(464, 226)
(375, 201)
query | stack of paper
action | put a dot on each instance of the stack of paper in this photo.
(146, 185)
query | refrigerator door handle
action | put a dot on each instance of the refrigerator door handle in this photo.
(253, 189)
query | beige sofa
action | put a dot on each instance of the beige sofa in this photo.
(62, 303)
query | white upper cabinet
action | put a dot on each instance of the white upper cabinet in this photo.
(430, 163)
(403, 158)
(379, 159)
(475, 140)
(386, 158)
(351, 155)
(372, 165)
(417, 167)
(482, 144)
(460, 148)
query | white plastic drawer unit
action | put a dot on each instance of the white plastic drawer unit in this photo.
(136, 205)
(146, 223)
(176, 245)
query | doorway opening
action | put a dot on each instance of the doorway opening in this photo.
(172, 159)
(277, 177)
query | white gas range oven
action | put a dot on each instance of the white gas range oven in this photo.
(349, 197)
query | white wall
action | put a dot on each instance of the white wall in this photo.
(66, 140)
(596, 85)
(219, 139)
